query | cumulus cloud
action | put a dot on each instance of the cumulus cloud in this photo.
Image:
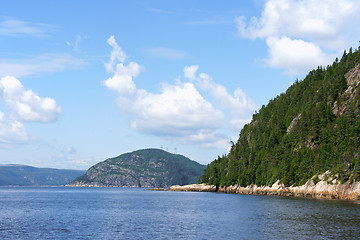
(122, 81)
(45, 63)
(240, 106)
(323, 26)
(179, 110)
(25, 105)
(12, 131)
(295, 56)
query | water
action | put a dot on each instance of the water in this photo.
(117, 213)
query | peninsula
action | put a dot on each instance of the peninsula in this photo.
(142, 168)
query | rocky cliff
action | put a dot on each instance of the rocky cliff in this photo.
(193, 188)
(142, 168)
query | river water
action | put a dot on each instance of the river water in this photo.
(130, 213)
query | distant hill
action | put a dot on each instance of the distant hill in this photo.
(142, 168)
(22, 175)
(312, 128)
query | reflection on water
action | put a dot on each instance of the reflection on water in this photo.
(116, 213)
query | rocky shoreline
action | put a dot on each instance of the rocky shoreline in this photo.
(320, 190)
(325, 188)
(194, 188)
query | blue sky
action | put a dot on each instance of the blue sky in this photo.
(82, 81)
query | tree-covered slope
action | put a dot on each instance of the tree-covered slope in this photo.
(22, 175)
(312, 128)
(142, 168)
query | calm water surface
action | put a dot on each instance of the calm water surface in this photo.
(117, 213)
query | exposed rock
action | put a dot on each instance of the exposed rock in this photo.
(353, 76)
(194, 188)
(322, 190)
(353, 81)
(292, 124)
(310, 143)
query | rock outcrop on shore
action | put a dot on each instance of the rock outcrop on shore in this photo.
(320, 190)
(194, 188)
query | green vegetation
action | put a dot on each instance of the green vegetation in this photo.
(313, 127)
(143, 168)
(22, 175)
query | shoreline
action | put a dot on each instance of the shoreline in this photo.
(193, 188)
(320, 190)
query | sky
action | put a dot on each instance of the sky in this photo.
(83, 81)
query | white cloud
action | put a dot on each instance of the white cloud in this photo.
(122, 81)
(12, 131)
(179, 111)
(15, 27)
(241, 108)
(190, 71)
(25, 105)
(314, 20)
(323, 26)
(167, 53)
(116, 54)
(51, 62)
(208, 140)
(295, 55)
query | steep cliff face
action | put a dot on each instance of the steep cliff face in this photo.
(312, 128)
(143, 168)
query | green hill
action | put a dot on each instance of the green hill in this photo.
(22, 175)
(142, 168)
(312, 128)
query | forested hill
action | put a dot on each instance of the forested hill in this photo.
(22, 175)
(312, 128)
(142, 168)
